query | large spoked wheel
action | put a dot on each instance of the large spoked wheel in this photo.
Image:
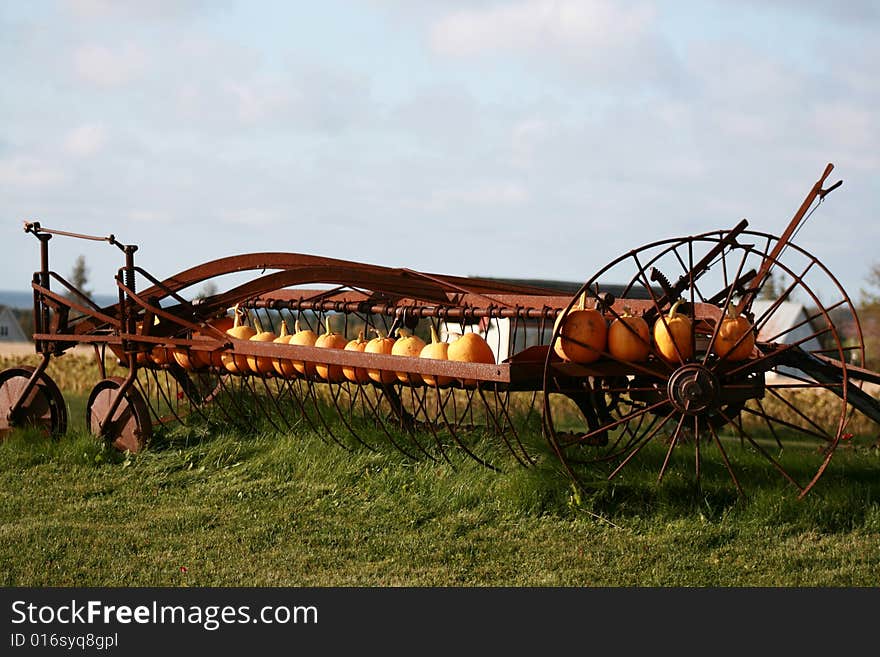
(130, 428)
(782, 410)
(43, 408)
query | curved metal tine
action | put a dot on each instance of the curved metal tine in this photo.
(198, 404)
(502, 399)
(648, 437)
(727, 302)
(145, 393)
(672, 443)
(375, 409)
(505, 404)
(244, 412)
(760, 449)
(697, 449)
(317, 405)
(288, 413)
(628, 431)
(162, 390)
(614, 453)
(432, 425)
(225, 399)
(458, 440)
(769, 424)
(297, 397)
(210, 381)
(259, 405)
(498, 428)
(605, 427)
(660, 314)
(275, 403)
(180, 410)
(469, 394)
(406, 419)
(334, 395)
(724, 458)
(417, 402)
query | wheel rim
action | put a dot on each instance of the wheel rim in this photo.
(43, 409)
(700, 400)
(130, 428)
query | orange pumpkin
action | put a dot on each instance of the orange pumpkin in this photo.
(733, 327)
(237, 364)
(161, 356)
(305, 338)
(470, 348)
(221, 324)
(437, 350)
(330, 340)
(411, 345)
(195, 359)
(158, 356)
(356, 374)
(583, 334)
(261, 365)
(629, 338)
(380, 345)
(678, 334)
(184, 358)
(284, 366)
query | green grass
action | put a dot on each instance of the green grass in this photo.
(213, 506)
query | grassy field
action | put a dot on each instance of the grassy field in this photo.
(212, 506)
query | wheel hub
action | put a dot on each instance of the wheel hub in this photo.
(693, 389)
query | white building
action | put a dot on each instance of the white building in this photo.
(10, 329)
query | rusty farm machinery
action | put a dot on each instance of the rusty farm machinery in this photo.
(230, 356)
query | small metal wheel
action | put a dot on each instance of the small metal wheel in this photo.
(783, 409)
(130, 428)
(43, 408)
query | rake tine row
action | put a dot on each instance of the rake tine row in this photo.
(338, 412)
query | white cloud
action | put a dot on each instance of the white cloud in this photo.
(137, 9)
(150, 217)
(503, 194)
(527, 137)
(86, 140)
(256, 101)
(109, 67)
(254, 217)
(29, 172)
(531, 25)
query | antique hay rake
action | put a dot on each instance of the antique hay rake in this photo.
(594, 414)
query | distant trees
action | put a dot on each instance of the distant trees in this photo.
(869, 317)
(79, 277)
(209, 289)
(772, 287)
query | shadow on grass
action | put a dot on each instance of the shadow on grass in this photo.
(846, 496)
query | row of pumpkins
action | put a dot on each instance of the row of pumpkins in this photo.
(469, 347)
(585, 336)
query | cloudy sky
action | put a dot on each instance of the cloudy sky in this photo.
(521, 138)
